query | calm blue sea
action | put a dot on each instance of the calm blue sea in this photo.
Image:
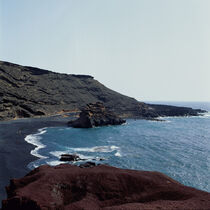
(178, 147)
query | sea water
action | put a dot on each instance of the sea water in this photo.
(178, 147)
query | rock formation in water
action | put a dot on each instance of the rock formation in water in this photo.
(70, 157)
(29, 92)
(92, 187)
(95, 115)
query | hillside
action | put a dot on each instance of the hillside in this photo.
(29, 92)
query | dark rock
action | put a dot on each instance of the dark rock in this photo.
(100, 187)
(95, 115)
(69, 157)
(147, 112)
(30, 92)
(166, 110)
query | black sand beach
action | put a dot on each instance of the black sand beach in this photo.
(15, 151)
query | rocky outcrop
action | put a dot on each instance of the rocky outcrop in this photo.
(69, 157)
(95, 115)
(100, 187)
(152, 111)
(166, 110)
(30, 92)
(75, 157)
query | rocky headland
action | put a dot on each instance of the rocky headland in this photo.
(32, 92)
(100, 187)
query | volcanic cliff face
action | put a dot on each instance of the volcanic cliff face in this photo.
(28, 92)
(70, 187)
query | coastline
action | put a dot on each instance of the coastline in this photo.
(15, 152)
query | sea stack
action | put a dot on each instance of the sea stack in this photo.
(95, 115)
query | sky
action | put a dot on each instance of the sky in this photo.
(152, 50)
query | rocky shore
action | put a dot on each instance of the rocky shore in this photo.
(100, 187)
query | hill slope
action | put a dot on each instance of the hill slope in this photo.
(28, 92)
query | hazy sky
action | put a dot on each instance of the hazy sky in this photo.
(147, 49)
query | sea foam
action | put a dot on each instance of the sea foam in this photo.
(118, 154)
(34, 139)
(104, 149)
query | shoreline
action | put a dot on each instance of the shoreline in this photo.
(34, 139)
(15, 152)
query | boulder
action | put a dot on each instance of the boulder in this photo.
(69, 157)
(101, 187)
(95, 115)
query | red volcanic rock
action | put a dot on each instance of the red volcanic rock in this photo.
(66, 187)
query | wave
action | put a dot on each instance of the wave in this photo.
(34, 139)
(206, 115)
(203, 115)
(85, 153)
(78, 151)
(118, 154)
(104, 149)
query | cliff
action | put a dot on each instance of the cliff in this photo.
(100, 187)
(29, 92)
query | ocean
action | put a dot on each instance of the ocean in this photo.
(178, 146)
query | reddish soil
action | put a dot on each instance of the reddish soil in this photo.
(66, 187)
